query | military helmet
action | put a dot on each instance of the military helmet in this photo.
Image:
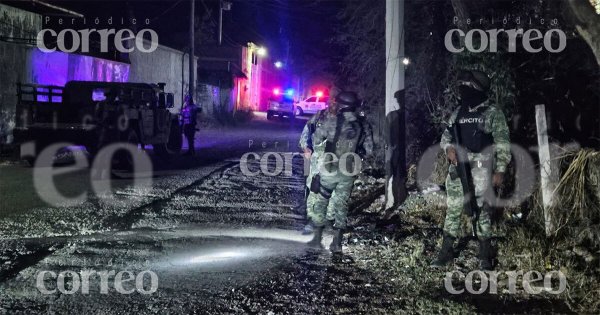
(334, 91)
(347, 101)
(475, 79)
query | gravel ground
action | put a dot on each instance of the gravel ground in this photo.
(220, 242)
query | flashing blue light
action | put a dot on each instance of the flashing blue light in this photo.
(289, 92)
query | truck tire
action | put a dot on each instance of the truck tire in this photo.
(269, 115)
(122, 160)
(172, 148)
(39, 147)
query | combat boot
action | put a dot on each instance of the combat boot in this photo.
(317, 237)
(336, 244)
(308, 229)
(446, 253)
(486, 255)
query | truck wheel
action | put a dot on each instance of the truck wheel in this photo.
(55, 158)
(173, 147)
(269, 115)
(299, 111)
(122, 160)
(39, 147)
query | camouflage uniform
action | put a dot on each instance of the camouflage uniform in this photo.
(306, 139)
(353, 134)
(494, 124)
(306, 142)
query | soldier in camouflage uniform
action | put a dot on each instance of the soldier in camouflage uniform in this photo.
(336, 136)
(306, 144)
(484, 134)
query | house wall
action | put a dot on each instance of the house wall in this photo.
(214, 99)
(165, 65)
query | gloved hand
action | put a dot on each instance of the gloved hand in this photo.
(307, 153)
(498, 179)
(451, 155)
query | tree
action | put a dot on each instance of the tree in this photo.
(586, 20)
(361, 64)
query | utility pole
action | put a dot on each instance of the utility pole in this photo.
(395, 129)
(192, 69)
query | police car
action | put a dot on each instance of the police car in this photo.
(281, 104)
(312, 104)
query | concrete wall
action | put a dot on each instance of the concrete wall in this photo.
(163, 65)
(16, 67)
(16, 23)
(208, 97)
(15, 56)
(214, 100)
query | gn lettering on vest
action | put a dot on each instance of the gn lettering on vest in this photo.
(471, 120)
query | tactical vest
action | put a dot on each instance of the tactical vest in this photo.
(312, 127)
(345, 140)
(188, 115)
(472, 129)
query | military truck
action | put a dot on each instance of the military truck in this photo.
(96, 114)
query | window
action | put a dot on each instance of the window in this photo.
(311, 99)
(324, 99)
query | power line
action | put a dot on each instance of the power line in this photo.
(166, 11)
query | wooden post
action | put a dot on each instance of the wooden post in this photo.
(549, 174)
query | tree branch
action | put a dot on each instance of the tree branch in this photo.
(587, 23)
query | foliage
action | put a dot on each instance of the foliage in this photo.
(427, 74)
(360, 38)
(496, 66)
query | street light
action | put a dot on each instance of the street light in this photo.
(278, 64)
(261, 51)
(223, 6)
(406, 61)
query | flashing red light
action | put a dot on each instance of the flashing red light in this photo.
(276, 91)
(319, 93)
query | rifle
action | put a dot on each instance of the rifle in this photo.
(463, 170)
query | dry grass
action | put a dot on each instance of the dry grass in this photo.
(577, 206)
(575, 247)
